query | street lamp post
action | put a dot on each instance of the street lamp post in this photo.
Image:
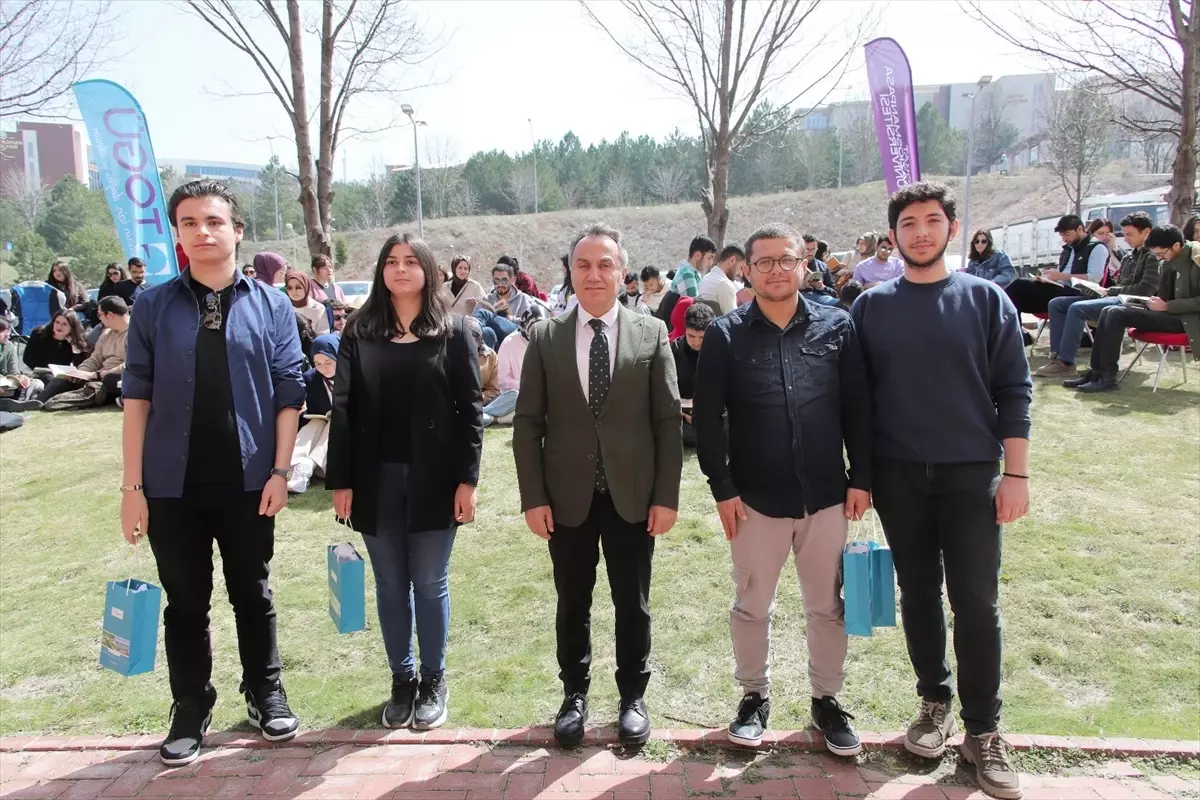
(535, 178)
(275, 182)
(408, 111)
(966, 232)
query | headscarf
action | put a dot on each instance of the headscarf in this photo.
(326, 345)
(268, 265)
(297, 275)
(679, 317)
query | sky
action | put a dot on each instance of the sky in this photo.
(506, 70)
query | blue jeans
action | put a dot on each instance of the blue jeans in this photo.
(495, 327)
(821, 298)
(412, 580)
(504, 404)
(1068, 318)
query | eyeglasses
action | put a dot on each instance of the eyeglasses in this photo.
(787, 264)
(212, 314)
(250, 273)
(339, 317)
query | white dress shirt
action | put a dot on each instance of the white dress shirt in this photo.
(716, 286)
(583, 343)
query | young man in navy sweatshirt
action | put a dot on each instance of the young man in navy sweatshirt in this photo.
(951, 391)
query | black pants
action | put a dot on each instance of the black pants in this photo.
(1106, 344)
(935, 514)
(575, 552)
(1033, 297)
(181, 533)
(57, 386)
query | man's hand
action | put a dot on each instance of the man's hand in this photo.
(1054, 276)
(23, 381)
(464, 503)
(661, 520)
(686, 417)
(135, 516)
(343, 503)
(501, 306)
(541, 521)
(858, 502)
(274, 496)
(1156, 304)
(1012, 500)
(730, 511)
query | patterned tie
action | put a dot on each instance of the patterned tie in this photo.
(598, 383)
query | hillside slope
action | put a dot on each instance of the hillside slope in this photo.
(659, 235)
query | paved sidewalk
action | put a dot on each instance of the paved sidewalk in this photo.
(244, 767)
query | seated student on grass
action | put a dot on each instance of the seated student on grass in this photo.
(59, 342)
(19, 387)
(339, 311)
(686, 350)
(1069, 315)
(1175, 308)
(509, 360)
(107, 361)
(312, 443)
(849, 293)
(488, 362)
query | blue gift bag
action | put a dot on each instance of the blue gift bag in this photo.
(347, 606)
(130, 634)
(868, 586)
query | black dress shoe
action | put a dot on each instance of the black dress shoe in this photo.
(1075, 383)
(1099, 385)
(633, 724)
(571, 720)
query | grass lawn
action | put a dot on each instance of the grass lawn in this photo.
(1100, 593)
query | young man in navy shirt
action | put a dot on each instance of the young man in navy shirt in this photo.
(212, 390)
(951, 391)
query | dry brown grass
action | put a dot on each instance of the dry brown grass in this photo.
(658, 235)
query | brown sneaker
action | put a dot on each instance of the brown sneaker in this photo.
(933, 727)
(993, 773)
(1055, 369)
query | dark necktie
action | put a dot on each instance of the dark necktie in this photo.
(598, 383)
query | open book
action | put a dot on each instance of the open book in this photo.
(1137, 301)
(324, 417)
(685, 403)
(1089, 288)
(58, 370)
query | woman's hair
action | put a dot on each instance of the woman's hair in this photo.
(297, 275)
(75, 334)
(872, 240)
(850, 292)
(117, 266)
(68, 278)
(988, 251)
(1189, 228)
(822, 250)
(454, 262)
(320, 260)
(1097, 224)
(511, 262)
(376, 320)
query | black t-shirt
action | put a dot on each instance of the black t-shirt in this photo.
(396, 387)
(214, 451)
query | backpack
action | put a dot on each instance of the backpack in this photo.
(666, 306)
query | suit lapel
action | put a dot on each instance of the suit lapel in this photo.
(629, 344)
(563, 345)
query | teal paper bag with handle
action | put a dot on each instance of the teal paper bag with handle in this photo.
(347, 600)
(130, 629)
(883, 587)
(869, 588)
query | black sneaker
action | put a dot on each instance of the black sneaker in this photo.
(398, 713)
(751, 722)
(1075, 383)
(268, 711)
(834, 723)
(431, 703)
(189, 723)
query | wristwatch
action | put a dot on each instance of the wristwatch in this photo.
(286, 474)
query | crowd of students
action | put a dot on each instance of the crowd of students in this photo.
(746, 353)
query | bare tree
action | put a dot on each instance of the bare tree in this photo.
(27, 196)
(572, 194)
(379, 192)
(363, 44)
(463, 202)
(857, 129)
(669, 181)
(618, 188)
(723, 56)
(45, 47)
(1078, 123)
(518, 188)
(1146, 49)
(444, 174)
(994, 134)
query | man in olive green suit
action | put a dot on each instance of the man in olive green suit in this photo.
(599, 452)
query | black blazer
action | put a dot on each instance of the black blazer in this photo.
(447, 428)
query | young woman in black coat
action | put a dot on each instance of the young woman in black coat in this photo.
(405, 440)
(60, 341)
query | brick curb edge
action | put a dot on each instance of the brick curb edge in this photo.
(805, 740)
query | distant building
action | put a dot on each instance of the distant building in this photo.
(43, 153)
(220, 170)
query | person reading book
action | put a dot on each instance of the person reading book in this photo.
(312, 442)
(1070, 314)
